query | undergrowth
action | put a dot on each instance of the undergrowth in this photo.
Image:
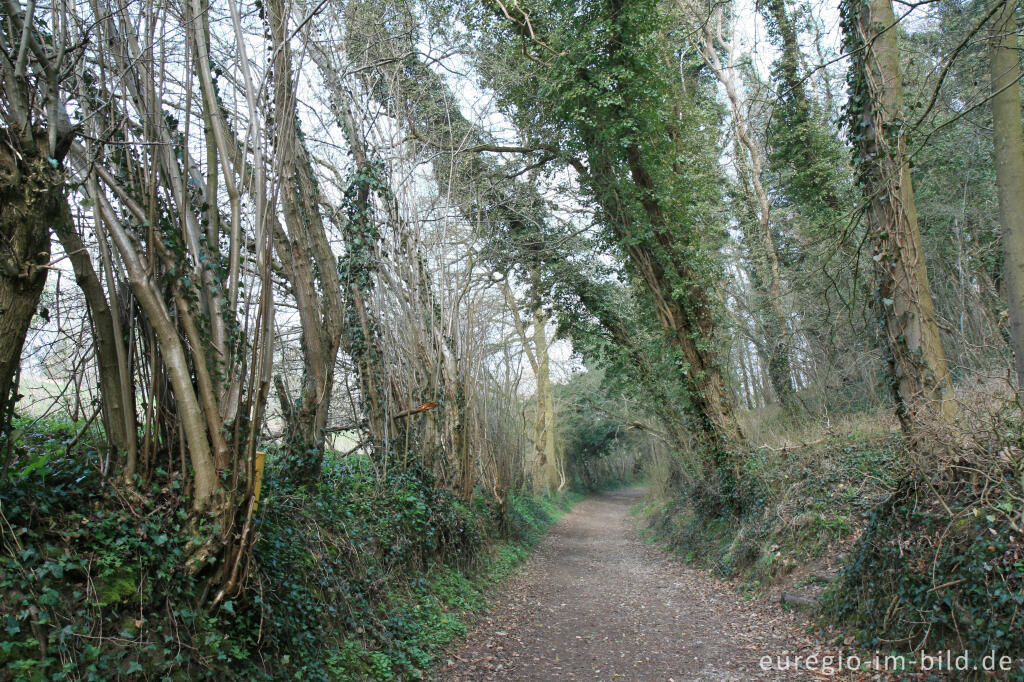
(801, 503)
(940, 568)
(359, 577)
(931, 545)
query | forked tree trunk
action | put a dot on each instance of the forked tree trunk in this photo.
(920, 378)
(1008, 138)
(32, 203)
(546, 464)
(311, 266)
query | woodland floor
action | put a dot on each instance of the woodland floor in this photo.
(596, 603)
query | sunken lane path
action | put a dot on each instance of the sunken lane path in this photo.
(595, 602)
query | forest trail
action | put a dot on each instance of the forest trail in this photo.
(596, 603)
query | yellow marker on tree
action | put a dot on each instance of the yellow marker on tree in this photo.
(261, 459)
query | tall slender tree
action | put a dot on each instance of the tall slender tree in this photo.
(919, 376)
(1008, 137)
(758, 230)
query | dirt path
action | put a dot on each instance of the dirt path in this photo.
(596, 603)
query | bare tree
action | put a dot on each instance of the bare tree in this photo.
(765, 272)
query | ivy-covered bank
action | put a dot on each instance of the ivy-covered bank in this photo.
(926, 564)
(366, 575)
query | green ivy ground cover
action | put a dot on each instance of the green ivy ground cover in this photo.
(359, 577)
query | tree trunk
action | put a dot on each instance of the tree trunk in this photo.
(767, 283)
(1008, 138)
(309, 262)
(118, 405)
(546, 452)
(795, 138)
(686, 315)
(746, 387)
(32, 203)
(920, 379)
(788, 63)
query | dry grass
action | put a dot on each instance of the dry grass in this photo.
(769, 428)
